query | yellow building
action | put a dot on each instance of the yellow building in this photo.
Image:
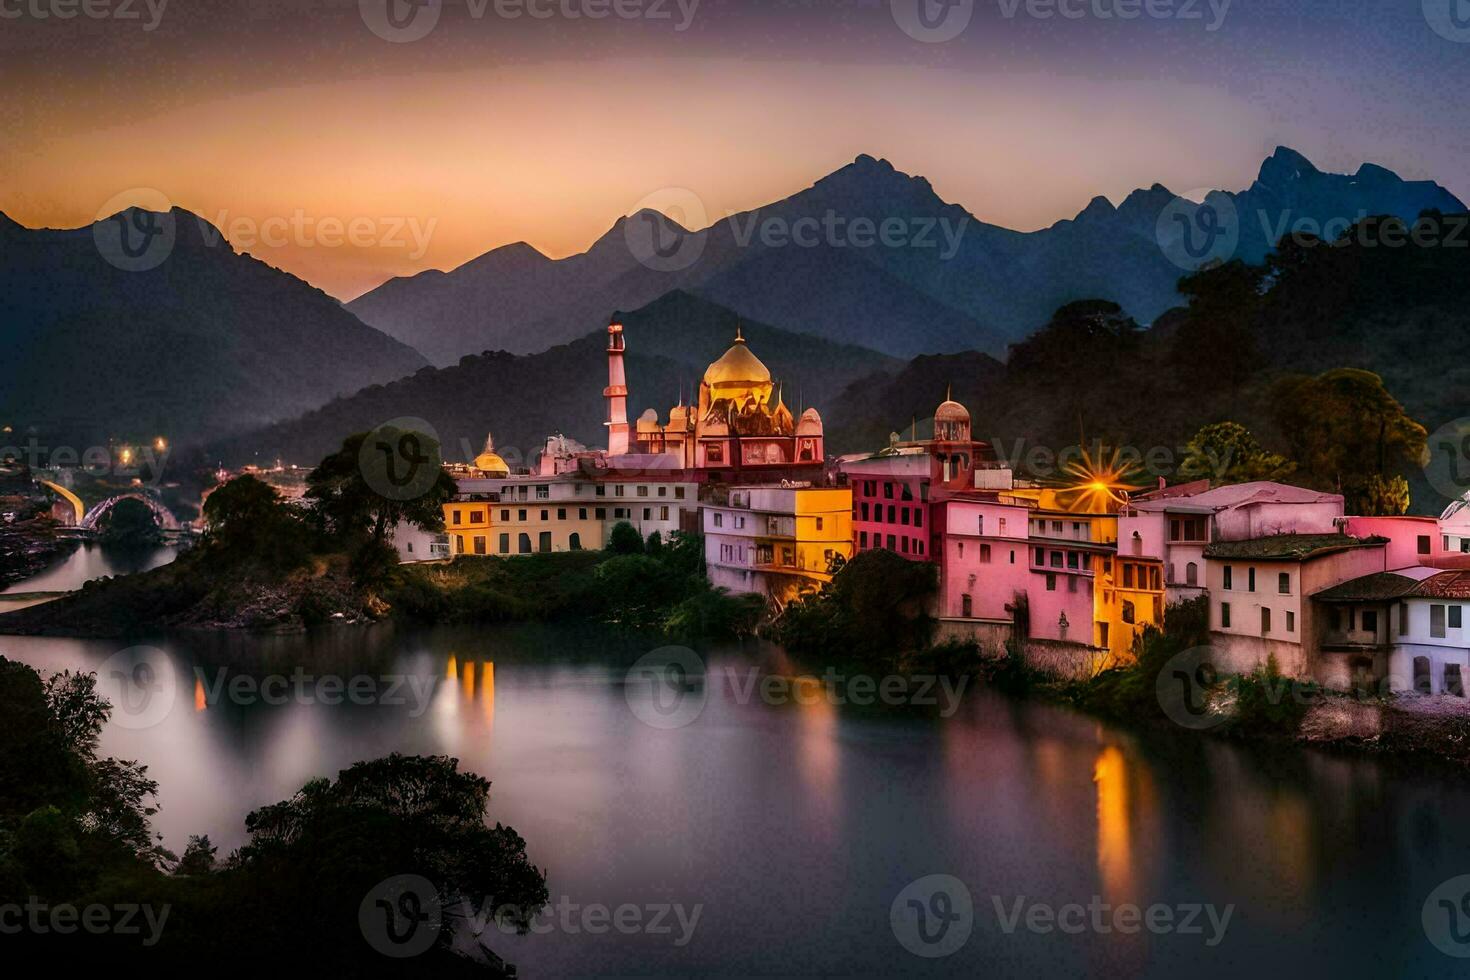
(467, 520)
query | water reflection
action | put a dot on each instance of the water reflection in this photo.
(86, 562)
(795, 824)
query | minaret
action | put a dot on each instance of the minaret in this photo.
(616, 392)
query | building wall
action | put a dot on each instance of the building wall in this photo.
(1411, 540)
(1264, 520)
(982, 558)
(898, 486)
(1244, 641)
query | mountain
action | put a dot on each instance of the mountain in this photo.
(816, 262)
(168, 332)
(1399, 312)
(523, 399)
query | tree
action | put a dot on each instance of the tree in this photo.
(246, 517)
(1350, 436)
(378, 479)
(325, 848)
(625, 539)
(198, 857)
(1226, 452)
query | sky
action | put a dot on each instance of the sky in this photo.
(348, 146)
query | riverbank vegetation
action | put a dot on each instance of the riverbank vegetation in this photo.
(75, 834)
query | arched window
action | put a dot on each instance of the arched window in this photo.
(1137, 543)
(576, 541)
(1191, 574)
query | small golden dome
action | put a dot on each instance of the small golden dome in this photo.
(491, 463)
(738, 366)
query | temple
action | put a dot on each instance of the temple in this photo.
(740, 425)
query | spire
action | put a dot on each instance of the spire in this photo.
(739, 333)
(489, 442)
(949, 392)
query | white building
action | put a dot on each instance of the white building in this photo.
(1408, 625)
(415, 545)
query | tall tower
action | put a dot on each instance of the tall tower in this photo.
(616, 392)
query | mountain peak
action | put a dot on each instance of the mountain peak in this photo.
(1284, 166)
(1098, 207)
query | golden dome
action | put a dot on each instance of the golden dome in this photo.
(738, 367)
(491, 463)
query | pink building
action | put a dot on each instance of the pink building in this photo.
(893, 490)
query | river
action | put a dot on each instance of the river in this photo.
(791, 823)
(84, 563)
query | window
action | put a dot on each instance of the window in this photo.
(648, 513)
(1283, 583)
(888, 492)
(525, 544)
(967, 606)
(1127, 576)
(892, 543)
(561, 513)
(601, 490)
(985, 553)
(521, 515)
(1040, 556)
(1056, 559)
(1424, 548)
(1225, 615)
(903, 545)
(892, 517)
(1455, 617)
(719, 520)
(546, 515)
(504, 548)
(1290, 622)
(457, 515)
(576, 541)
(1130, 615)
(1250, 580)
(619, 490)
(903, 516)
(1051, 582)
(678, 493)
(1436, 621)
(1229, 577)
(642, 491)
(505, 516)
(543, 492)
(581, 513)
(1370, 621)
(479, 544)
(865, 511)
(545, 541)
(663, 513)
(1073, 560)
(980, 525)
(1002, 527)
(918, 517)
(862, 539)
(1191, 574)
(1265, 620)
